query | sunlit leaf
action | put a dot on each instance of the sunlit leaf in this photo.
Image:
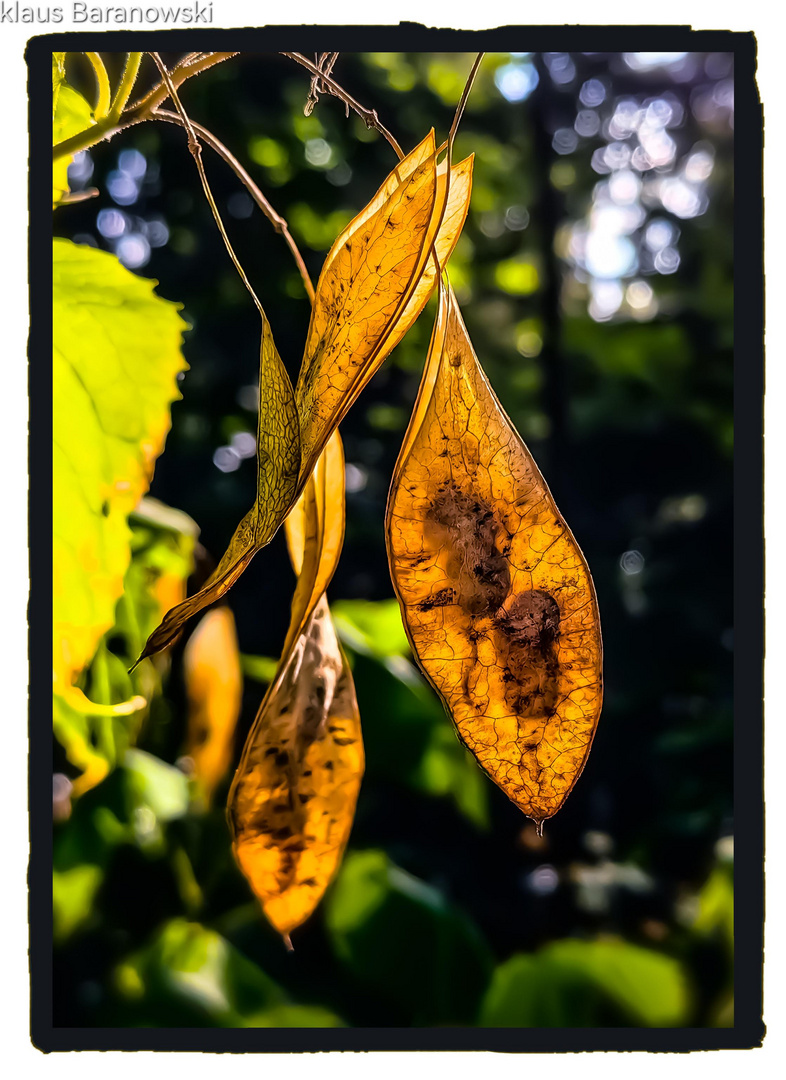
(115, 361)
(376, 279)
(70, 115)
(278, 461)
(214, 689)
(58, 76)
(292, 800)
(495, 594)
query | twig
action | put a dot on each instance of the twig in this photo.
(278, 223)
(325, 63)
(78, 196)
(192, 64)
(196, 152)
(465, 96)
(369, 116)
(130, 72)
(102, 80)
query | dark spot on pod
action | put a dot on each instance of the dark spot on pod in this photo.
(271, 750)
(532, 620)
(439, 599)
(329, 765)
(282, 759)
(334, 727)
(305, 798)
(282, 834)
(105, 508)
(465, 524)
(310, 882)
(528, 632)
(307, 772)
(344, 742)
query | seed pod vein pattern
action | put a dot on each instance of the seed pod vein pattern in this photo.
(496, 596)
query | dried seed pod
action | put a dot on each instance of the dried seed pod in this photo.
(292, 801)
(496, 596)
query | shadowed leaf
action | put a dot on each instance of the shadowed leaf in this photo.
(587, 984)
(496, 596)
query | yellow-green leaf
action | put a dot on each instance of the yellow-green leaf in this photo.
(115, 360)
(70, 115)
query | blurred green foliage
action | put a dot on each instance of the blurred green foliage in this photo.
(448, 910)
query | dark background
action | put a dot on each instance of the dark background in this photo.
(595, 279)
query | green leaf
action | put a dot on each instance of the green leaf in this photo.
(261, 669)
(155, 784)
(374, 625)
(58, 76)
(70, 115)
(73, 892)
(115, 361)
(423, 958)
(716, 905)
(574, 983)
(407, 733)
(191, 975)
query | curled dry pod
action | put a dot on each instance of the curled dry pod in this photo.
(496, 596)
(375, 282)
(376, 279)
(292, 800)
(278, 463)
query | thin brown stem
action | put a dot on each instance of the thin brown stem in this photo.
(196, 152)
(369, 116)
(465, 96)
(278, 223)
(325, 63)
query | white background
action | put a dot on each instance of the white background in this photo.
(18, 1055)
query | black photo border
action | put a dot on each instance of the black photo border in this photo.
(748, 585)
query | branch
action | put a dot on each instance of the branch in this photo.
(196, 151)
(369, 116)
(102, 80)
(278, 223)
(193, 64)
(325, 63)
(133, 60)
